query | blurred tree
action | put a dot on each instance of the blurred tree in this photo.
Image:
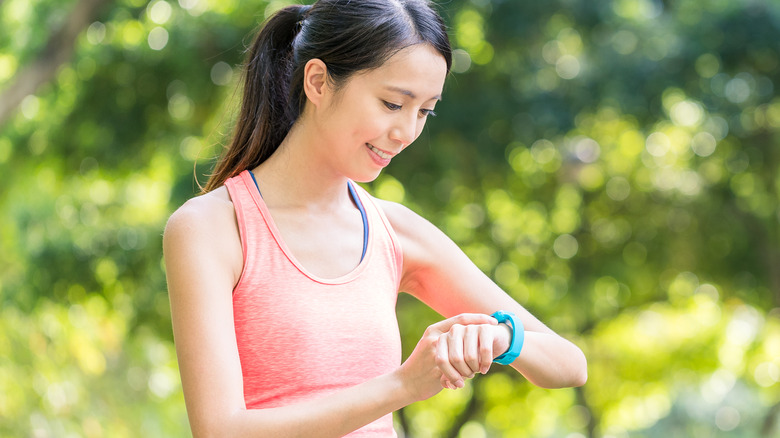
(57, 50)
(613, 165)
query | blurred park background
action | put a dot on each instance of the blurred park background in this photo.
(612, 164)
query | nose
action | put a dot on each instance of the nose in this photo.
(404, 131)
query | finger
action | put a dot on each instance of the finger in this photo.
(463, 319)
(471, 355)
(455, 341)
(443, 362)
(485, 350)
(446, 383)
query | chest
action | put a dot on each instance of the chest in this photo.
(327, 245)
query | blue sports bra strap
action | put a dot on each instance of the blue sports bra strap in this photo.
(359, 204)
(256, 185)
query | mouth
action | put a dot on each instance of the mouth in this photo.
(381, 153)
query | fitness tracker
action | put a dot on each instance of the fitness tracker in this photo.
(518, 336)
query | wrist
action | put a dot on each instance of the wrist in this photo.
(502, 340)
(400, 389)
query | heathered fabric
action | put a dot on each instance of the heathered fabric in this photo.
(300, 336)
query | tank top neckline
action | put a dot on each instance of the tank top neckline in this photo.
(355, 198)
(249, 181)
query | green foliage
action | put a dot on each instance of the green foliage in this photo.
(612, 165)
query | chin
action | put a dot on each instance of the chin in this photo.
(365, 177)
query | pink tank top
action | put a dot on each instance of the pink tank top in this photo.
(301, 337)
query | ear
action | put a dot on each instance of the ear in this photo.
(315, 77)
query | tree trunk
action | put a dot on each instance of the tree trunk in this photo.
(43, 68)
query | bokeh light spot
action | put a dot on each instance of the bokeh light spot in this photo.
(30, 106)
(461, 61)
(587, 150)
(567, 67)
(686, 113)
(390, 189)
(160, 12)
(703, 144)
(618, 188)
(727, 418)
(96, 33)
(767, 374)
(707, 65)
(221, 73)
(658, 144)
(565, 246)
(737, 90)
(158, 38)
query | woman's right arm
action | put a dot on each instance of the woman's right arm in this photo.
(203, 263)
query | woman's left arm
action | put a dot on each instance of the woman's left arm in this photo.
(438, 273)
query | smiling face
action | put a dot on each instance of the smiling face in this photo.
(378, 113)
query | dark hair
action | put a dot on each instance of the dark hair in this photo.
(347, 35)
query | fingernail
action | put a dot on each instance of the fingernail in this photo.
(460, 384)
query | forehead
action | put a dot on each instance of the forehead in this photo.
(419, 69)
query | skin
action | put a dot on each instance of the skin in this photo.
(304, 185)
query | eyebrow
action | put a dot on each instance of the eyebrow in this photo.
(409, 93)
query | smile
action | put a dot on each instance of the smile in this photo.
(380, 152)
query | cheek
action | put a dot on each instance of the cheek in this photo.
(368, 122)
(420, 126)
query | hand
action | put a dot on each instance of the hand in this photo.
(423, 372)
(466, 350)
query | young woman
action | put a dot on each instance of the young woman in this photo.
(283, 275)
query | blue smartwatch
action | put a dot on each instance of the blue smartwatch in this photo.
(518, 336)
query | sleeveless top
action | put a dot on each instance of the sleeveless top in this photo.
(299, 336)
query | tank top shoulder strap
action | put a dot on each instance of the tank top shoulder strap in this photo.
(241, 191)
(373, 209)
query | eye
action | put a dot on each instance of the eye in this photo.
(391, 106)
(427, 112)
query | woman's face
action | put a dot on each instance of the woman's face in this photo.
(378, 113)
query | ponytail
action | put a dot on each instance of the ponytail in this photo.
(267, 110)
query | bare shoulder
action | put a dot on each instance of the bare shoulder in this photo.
(425, 247)
(204, 231)
(405, 222)
(211, 214)
(209, 208)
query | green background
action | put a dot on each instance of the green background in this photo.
(613, 165)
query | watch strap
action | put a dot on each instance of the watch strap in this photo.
(518, 336)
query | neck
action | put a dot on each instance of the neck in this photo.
(294, 176)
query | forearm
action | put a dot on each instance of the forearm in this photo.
(550, 361)
(334, 415)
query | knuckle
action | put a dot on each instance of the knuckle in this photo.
(464, 318)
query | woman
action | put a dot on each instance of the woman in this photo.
(283, 275)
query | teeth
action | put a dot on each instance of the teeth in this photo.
(380, 153)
